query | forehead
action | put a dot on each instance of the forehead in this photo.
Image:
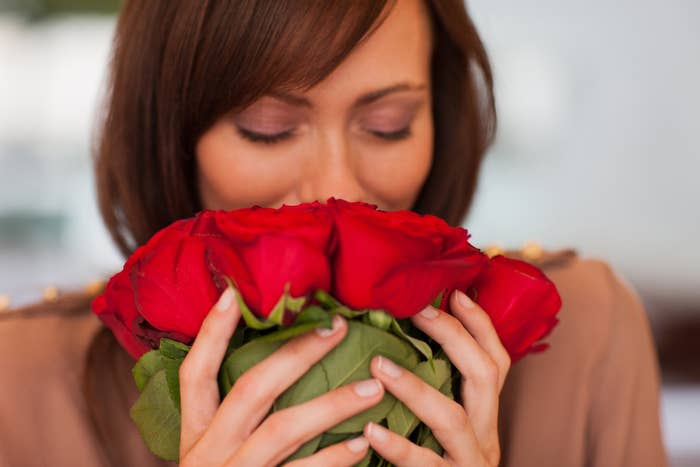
(397, 51)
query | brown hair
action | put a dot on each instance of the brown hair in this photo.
(177, 66)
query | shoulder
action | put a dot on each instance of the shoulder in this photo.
(44, 339)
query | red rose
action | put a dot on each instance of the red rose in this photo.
(164, 290)
(117, 310)
(168, 286)
(272, 247)
(521, 301)
(398, 261)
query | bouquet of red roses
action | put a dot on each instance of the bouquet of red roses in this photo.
(294, 269)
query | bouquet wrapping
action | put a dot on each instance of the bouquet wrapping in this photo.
(295, 268)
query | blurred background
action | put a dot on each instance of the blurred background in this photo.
(599, 150)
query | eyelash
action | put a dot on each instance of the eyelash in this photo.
(265, 139)
(272, 139)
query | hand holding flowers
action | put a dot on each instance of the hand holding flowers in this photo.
(295, 269)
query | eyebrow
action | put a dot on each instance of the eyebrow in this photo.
(363, 100)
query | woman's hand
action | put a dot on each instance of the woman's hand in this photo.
(468, 432)
(237, 432)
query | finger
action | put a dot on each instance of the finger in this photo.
(399, 450)
(472, 361)
(445, 417)
(480, 382)
(479, 325)
(347, 453)
(199, 390)
(259, 386)
(291, 427)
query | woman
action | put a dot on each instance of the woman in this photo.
(228, 104)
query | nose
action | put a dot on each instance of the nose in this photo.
(332, 170)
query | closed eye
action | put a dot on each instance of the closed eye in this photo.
(279, 137)
(394, 135)
(263, 138)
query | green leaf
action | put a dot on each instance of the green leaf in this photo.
(172, 354)
(172, 377)
(427, 439)
(334, 438)
(237, 339)
(349, 313)
(146, 366)
(306, 449)
(420, 345)
(313, 313)
(310, 318)
(330, 303)
(243, 358)
(324, 298)
(276, 315)
(290, 331)
(400, 419)
(293, 304)
(157, 418)
(249, 317)
(312, 384)
(438, 299)
(376, 413)
(173, 349)
(349, 362)
(365, 462)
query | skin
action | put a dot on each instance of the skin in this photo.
(333, 152)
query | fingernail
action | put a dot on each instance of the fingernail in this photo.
(463, 300)
(367, 388)
(377, 432)
(225, 300)
(357, 444)
(336, 324)
(388, 367)
(429, 312)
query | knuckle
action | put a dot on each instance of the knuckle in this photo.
(247, 389)
(188, 372)
(299, 351)
(455, 420)
(459, 417)
(488, 372)
(296, 347)
(278, 427)
(453, 330)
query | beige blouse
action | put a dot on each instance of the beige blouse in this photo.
(591, 399)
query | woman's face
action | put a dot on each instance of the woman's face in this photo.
(364, 133)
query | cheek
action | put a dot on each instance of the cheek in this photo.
(395, 172)
(232, 175)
